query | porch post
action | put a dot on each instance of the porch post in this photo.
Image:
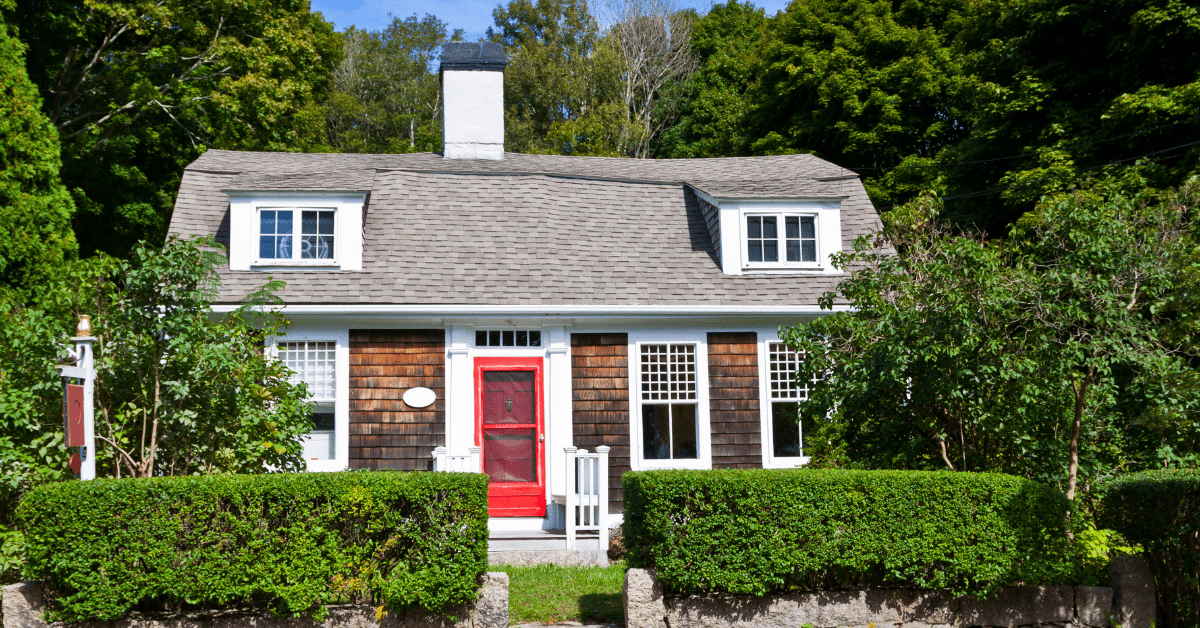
(476, 463)
(569, 515)
(602, 495)
(439, 459)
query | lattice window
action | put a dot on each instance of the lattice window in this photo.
(508, 338)
(669, 372)
(785, 363)
(313, 363)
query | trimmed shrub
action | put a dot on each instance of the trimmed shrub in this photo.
(1160, 510)
(761, 531)
(285, 543)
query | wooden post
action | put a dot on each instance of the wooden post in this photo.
(476, 463)
(602, 493)
(439, 459)
(569, 515)
(85, 370)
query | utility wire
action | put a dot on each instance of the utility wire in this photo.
(1022, 156)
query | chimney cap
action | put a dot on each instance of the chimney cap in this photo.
(461, 55)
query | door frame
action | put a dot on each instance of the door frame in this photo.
(514, 489)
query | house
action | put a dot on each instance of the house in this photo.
(525, 304)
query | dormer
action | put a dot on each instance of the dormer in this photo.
(772, 234)
(295, 230)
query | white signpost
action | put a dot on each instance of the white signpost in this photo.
(84, 371)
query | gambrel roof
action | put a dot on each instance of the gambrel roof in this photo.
(527, 229)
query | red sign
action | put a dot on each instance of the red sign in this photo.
(75, 463)
(74, 423)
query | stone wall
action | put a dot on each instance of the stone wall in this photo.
(1129, 603)
(22, 604)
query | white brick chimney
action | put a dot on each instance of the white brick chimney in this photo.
(473, 92)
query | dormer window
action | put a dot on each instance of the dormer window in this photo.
(780, 240)
(281, 237)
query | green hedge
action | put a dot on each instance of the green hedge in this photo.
(1160, 510)
(760, 531)
(285, 543)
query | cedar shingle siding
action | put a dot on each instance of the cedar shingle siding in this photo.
(600, 402)
(384, 432)
(734, 400)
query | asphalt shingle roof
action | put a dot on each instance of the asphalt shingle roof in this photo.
(525, 230)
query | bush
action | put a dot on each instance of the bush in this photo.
(760, 531)
(286, 543)
(1160, 510)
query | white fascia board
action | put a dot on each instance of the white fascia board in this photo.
(565, 311)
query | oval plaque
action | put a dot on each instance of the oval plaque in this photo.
(419, 397)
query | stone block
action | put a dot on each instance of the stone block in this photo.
(931, 608)
(1093, 605)
(492, 607)
(1020, 606)
(642, 597)
(22, 605)
(823, 609)
(1132, 583)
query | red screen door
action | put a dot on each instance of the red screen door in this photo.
(509, 429)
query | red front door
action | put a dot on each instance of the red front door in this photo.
(509, 428)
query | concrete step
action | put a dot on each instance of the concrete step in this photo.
(537, 547)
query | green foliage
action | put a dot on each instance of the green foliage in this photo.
(35, 229)
(759, 531)
(728, 42)
(12, 555)
(563, 81)
(287, 543)
(1055, 355)
(178, 390)
(1161, 511)
(386, 98)
(139, 88)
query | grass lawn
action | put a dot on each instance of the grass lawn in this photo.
(549, 593)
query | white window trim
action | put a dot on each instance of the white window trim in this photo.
(295, 260)
(341, 390)
(770, 460)
(244, 228)
(782, 264)
(703, 425)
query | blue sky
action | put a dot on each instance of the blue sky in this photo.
(473, 16)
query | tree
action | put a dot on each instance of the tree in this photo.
(35, 228)
(866, 84)
(654, 39)
(179, 392)
(562, 84)
(727, 42)
(139, 88)
(1019, 356)
(386, 98)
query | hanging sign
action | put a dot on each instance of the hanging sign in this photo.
(74, 419)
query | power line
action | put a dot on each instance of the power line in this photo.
(1024, 155)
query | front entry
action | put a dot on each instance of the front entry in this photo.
(510, 429)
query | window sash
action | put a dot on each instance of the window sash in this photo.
(288, 233)
(667, 372)
(774, 239)
(314, 363)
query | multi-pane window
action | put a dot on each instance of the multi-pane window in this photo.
(278, 240)
(508, 338)
(667, 385)
(314, 364)
(780, 238)
(785, 394)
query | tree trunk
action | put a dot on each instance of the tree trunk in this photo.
(1080, 390)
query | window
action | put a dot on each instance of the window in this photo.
(278, 238)
(508, 338)
(314, 364)
(784, 395)
(667, 381)
(781, 239)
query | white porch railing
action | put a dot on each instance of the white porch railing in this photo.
(443, 461)
(587, 494)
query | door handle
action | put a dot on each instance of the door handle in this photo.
(541, 438)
